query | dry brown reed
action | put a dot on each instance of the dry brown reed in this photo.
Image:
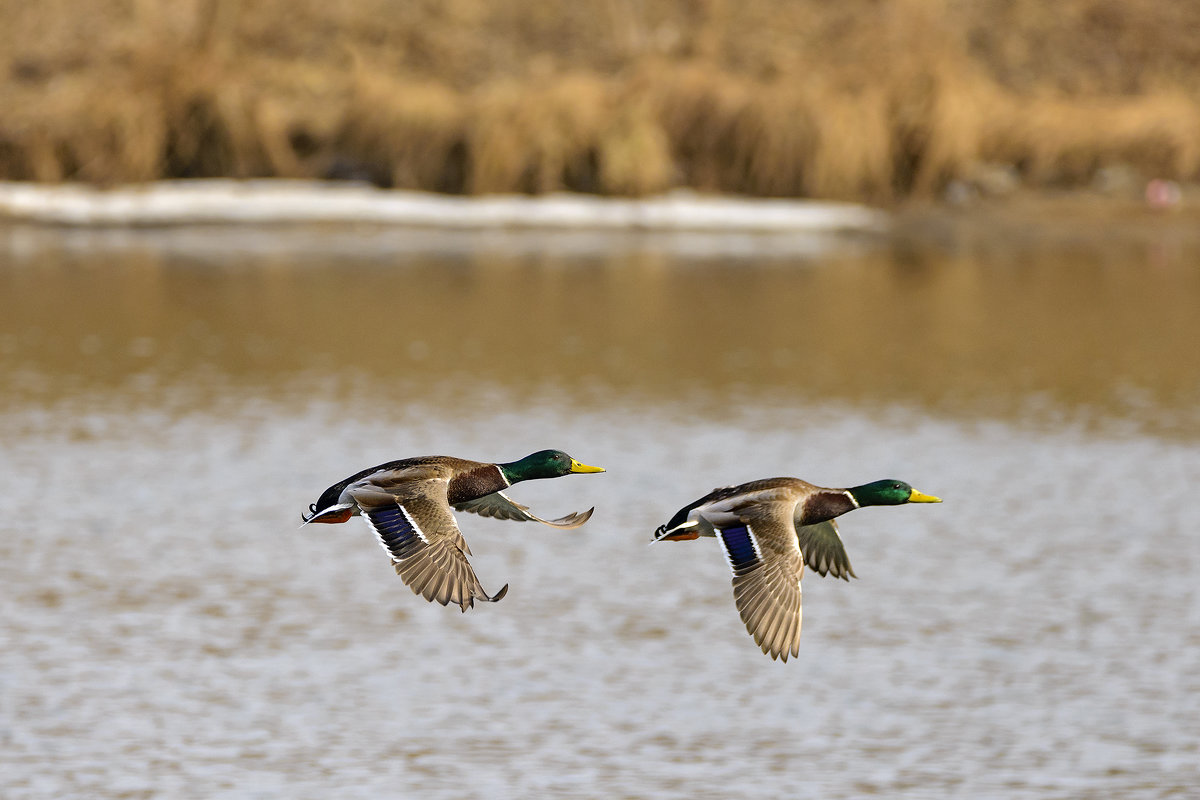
(870, 100)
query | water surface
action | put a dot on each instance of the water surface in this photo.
(172, 400)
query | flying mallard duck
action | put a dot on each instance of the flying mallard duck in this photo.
(769, 530)
(407, 504)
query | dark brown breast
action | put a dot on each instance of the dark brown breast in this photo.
(822, 506)
(475, 483)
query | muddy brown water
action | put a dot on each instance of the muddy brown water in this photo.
(171, 400)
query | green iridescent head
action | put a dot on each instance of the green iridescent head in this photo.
(544, 464)
(889, 492)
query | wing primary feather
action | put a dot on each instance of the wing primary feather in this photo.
(768, 626)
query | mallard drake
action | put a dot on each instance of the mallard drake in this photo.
(769, 529)
(407, 503)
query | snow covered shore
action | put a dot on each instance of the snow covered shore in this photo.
(281, 202)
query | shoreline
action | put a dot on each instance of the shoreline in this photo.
(273, 215)
(283, 202)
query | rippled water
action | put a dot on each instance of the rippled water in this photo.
(173, 400)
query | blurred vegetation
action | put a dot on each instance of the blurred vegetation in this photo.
(876, 100)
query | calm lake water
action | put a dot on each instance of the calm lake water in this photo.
(171, 400)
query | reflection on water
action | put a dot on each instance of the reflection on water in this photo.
(169, 409)
(1070, 331)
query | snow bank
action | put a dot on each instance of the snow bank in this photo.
(278, 201)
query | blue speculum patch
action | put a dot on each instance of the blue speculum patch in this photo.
(740, 549)
(394, 528)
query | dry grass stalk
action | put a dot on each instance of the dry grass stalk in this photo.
(856, 100)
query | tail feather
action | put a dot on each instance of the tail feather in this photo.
(331, 514)
(683, 532)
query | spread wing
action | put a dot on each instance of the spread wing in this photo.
(823, 550)
(413, 523)
(767, 565)
(498, 505)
